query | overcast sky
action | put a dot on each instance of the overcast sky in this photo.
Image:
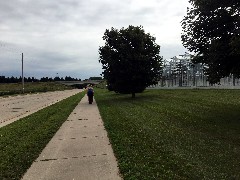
(62, 37)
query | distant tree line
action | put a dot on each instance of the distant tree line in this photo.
(12, 79)
(95, 78)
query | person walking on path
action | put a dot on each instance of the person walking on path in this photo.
(90, 94)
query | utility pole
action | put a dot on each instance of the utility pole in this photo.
(22, 76)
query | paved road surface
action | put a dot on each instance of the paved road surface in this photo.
(80, 150)
(16, 107)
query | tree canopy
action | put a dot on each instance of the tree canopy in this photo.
(211, 29)
(130, 59)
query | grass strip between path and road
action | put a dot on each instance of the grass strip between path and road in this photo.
(22, 141)
(174, 134)
(31, 87)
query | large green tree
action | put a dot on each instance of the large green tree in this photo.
(130, 59)
(211, 29)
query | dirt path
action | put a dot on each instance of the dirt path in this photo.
(15, 107)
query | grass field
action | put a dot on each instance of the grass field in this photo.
(16, 88)
(22, 141)
(174, 134)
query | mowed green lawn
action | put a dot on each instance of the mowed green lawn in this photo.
(174, 134)
(22, 141)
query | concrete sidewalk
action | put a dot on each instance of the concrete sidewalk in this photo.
(80, 150)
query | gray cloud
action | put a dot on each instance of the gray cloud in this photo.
(64, 36)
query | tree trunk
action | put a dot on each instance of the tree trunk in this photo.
(133, 94)
(233, 80)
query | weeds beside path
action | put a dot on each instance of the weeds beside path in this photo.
(174, 134)
(22, 141)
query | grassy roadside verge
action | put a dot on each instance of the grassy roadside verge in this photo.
(174, 134)
(22, 141)
(31, 87)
